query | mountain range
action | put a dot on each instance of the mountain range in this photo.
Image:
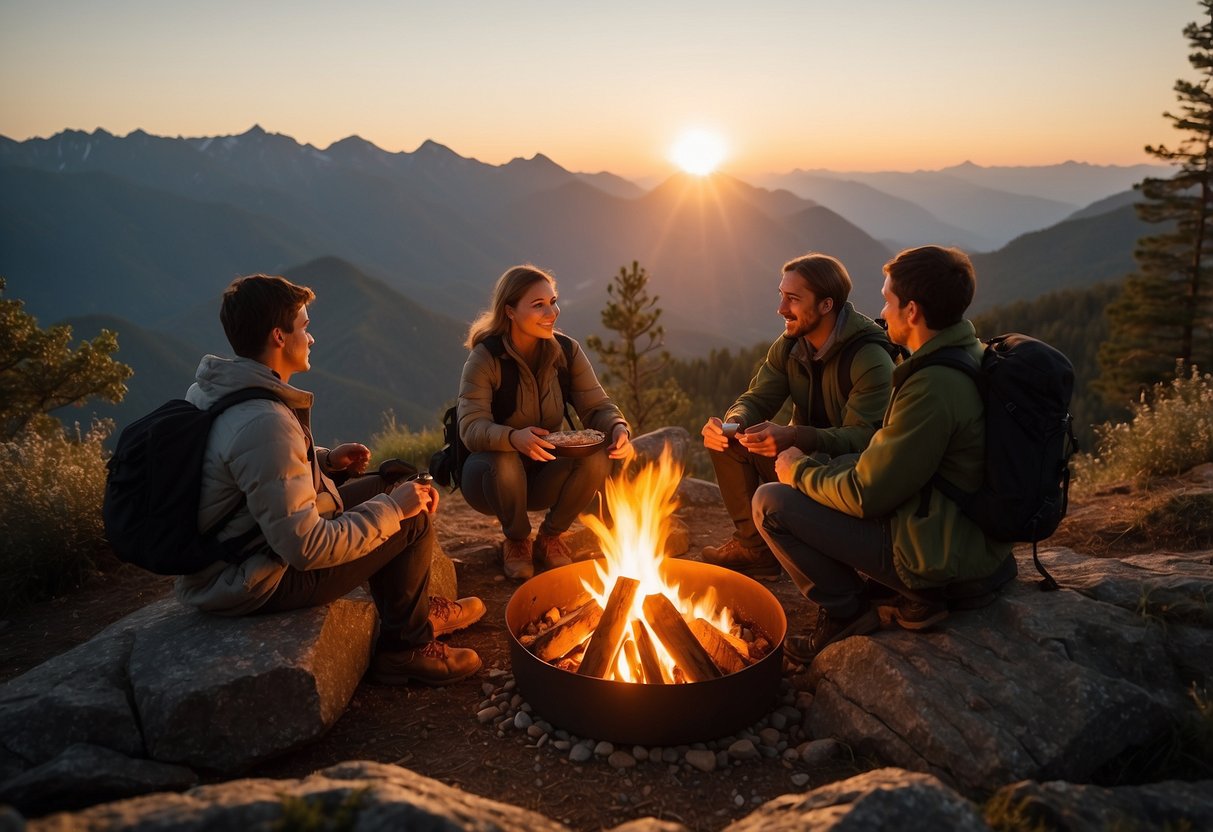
(403, 248)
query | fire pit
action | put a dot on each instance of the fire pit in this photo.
(639, 648)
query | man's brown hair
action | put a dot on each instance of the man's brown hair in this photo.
(825, 275)
(940, 280)
(255, 305)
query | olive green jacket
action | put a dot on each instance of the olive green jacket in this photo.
(935, 424)
(785, 375)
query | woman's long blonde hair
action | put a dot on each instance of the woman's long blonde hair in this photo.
(510, 288)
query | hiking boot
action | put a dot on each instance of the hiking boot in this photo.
(551, 551)
(919, 614)
(755, 561)
(447, 616)
(433, 664)
(827, 630)
(516, 558)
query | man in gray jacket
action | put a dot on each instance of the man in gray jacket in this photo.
(304, 541)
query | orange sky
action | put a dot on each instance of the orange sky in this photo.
(846, 84)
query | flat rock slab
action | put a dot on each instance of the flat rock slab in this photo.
(174, 685)
(1037, 686)
(1079, 808)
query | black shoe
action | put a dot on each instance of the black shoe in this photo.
(804, 648)
(917, 614)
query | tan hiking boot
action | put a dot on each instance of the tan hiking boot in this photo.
(516, 558)
(755, 561)
(433, 664)
(551, 551)
(447, 616)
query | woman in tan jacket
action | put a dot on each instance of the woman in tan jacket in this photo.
(512, 468)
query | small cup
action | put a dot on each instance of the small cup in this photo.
(424, 478)
(729, 428)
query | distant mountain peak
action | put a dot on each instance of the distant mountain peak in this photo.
(254, 132)
(433, 149)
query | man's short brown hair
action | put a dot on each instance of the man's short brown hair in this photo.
(825, 276)
(940, 280)
(255, 305)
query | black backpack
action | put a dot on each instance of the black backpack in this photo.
(1026, 386)
(154, 487)
(446, 465)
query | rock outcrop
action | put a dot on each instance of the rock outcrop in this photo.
(174, 686)
(1038, 686)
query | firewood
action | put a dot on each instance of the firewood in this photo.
(653, 673)
(723, 654)
(672, 631)
(569, 632)
(632, 655)
(608, 635)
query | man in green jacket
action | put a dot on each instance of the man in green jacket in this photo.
(834, 365)
(876, 514)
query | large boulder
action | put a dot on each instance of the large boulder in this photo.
(1035, 686)
(650, 445)
(1081, 808)
(220, 694)
(370, 796)
(886, 798)
(173, 685)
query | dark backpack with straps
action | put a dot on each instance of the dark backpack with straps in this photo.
(1026, 386)
(446, 465)
(154, 487)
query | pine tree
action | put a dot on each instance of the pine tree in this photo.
(1165, 313)
(40, 371)
(634, 366)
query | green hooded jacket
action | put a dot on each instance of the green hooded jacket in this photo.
(935, 424)
(785, 375)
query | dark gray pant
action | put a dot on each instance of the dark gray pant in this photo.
(506, 485)
(739, 473)
(398, 572)
(823, 550)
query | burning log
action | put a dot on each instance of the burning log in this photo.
(724, 655)
(568, 632)
(676, 636)
(648, 654)
(608, 635)
(633, 658)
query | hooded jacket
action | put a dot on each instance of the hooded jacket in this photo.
(934, 424)
(261, 452)
(852, 420)
(540, 400)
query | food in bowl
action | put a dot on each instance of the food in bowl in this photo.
(575, 438)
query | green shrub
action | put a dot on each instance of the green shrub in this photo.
(51, 485)
(1170, 431)
(396, 441)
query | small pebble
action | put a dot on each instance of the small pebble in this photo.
(739, 801)
(701, 759)
(580, 754)
(779, 721)
(534, 731)
(743, 750)
(800, 780)
(604, 749)
(522, 720)
(621, 760)
(561, 745)
(487, 715)
(818, 752)
(769, 736)
(640, 753)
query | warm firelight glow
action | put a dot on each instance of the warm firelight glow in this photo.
(641, 509)
(698, 152)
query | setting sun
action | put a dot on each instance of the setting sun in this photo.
(698, 152)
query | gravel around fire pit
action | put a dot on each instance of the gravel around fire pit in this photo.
(778, 735)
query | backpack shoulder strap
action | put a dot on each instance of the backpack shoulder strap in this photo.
(955, 357)
(244, 395)
(847, 357)
(505, 395)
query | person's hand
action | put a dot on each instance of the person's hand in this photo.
(785, 462)
(530, 443)
(352, 457)
(767, 438)
(414, 498)
(621, 447)
(713, 435)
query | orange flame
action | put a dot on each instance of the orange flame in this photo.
(641, 508)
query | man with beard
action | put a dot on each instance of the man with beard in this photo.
(835, 367)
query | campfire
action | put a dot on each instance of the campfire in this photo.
(612, 648)
(633, 623)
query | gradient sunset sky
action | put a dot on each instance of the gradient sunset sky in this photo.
(846, 85)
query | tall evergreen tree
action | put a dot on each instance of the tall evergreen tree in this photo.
(634, 365)
(1165, 313)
